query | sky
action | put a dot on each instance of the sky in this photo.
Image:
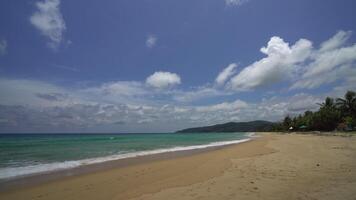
(160, 66)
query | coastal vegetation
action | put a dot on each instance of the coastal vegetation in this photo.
(333, 114)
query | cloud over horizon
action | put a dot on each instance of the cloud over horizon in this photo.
(128, 105)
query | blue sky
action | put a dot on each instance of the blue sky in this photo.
(157, 65)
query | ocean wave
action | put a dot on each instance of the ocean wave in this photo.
(252, 135)
(13, 172)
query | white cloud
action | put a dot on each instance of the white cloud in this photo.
(198, 94)
(225, 106)
(336, 41)
(275, 108)
(329, 60)
(303, 102)
(118, 92)
(279, 65)
(125, 88)
(49, 21)
(235, 2)
(344, 72)
(3, 47)
(307, 67)
(226, 74)
(340, 90)
(151, 41)
(161, 80)
(330, 63)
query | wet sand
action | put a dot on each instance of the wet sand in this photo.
(270, 167)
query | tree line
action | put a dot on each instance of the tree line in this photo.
(333, 114)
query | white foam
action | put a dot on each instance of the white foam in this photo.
(252, 135)
(8, 173)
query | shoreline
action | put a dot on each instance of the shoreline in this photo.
(273, 166)
(54, 175)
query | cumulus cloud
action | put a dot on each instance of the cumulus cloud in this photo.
(226, 74)
(151, 41)
(279, 64)
(3, 47)
(235, 2)
(161, 80)
(49, 21)
(300, 64)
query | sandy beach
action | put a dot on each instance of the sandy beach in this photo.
(272, 166)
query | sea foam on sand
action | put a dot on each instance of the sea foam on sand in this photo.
(13, 172)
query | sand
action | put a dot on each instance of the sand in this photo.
(273, 166)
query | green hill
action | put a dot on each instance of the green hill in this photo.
(253, 126)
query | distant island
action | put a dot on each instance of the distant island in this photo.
(252, 126)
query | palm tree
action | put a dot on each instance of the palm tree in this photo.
(348, 104)
(329, 103)
(287, 122)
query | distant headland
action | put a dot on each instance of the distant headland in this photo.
(252, 126)
(334, 114)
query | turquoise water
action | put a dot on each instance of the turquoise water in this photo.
(33, 153)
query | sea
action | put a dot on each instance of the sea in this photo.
(27, 154)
